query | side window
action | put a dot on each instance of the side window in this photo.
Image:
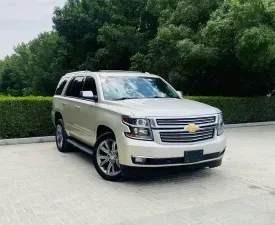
(90, 85)
(61, 86)
(75, 87)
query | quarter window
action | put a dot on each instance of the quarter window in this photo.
(75, 87)
(61, 86)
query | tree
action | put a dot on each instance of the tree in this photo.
(226, 48)
(204, 47)
(242, 32)
(96, 32)
(176, 52)
(32, 69)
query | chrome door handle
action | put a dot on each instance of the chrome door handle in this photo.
(64, 103)
(77, 107)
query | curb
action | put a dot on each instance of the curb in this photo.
(33, 140)
(249, 124)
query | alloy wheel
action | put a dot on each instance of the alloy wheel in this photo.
(59, 136)
(107, 158)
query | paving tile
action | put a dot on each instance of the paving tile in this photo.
(39, 185)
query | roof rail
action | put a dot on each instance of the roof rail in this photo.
(77, 72)
(147, 73)
(113, 71)
(82, 71)
(126, 71)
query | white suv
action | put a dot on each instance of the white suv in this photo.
(130, 120)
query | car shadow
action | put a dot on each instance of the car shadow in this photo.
(155, 175)
(171, 176)
(83, 155)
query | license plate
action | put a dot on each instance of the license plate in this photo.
(193, 156)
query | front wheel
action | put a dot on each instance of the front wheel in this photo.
(106, 159)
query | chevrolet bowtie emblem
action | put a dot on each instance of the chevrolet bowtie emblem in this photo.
(192, 128)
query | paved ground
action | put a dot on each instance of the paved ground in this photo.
(39, 185)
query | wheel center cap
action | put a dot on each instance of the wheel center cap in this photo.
(112, 157)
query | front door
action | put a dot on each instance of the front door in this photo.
(87, 114)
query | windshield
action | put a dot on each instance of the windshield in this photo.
(131, 87)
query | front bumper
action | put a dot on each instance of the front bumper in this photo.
(130, 171)
(178, 160)
(165, 155)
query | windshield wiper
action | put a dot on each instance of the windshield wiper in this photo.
(124, 98)
(162, 97)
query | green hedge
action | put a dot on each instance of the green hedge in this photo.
(25, 117)
(31, 116)
(242, 110)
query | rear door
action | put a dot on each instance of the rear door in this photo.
(72, 100)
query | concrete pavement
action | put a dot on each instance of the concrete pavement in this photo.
(39, 185)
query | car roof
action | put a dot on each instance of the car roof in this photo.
(110, 73)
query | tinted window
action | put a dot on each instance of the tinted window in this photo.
(90, 85)
(61, 86)
(75, 87)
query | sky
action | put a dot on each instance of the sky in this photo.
(23, 20)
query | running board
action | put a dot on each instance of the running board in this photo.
(81, 146)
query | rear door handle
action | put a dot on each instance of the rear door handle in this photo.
(77, 107)
(64, 103)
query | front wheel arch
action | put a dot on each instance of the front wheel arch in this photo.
(101, 130)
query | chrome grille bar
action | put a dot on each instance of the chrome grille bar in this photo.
(186, 137)
(186, 133)
(186, 121)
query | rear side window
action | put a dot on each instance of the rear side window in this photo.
(61, 85)
(75, 87)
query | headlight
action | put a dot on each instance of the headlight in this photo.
(139, 128)
(220, 125)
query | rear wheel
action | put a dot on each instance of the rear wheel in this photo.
(61, 137)
(106, 159)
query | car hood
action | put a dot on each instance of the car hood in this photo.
(165, 107)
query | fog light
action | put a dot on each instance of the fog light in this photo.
(140, 160)
(141, 131)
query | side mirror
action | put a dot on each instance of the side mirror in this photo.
(88, 95)
(180, 93)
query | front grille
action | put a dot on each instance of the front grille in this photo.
(186, 137)
(186, 121)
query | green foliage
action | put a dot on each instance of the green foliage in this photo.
(31, 116)
(256, 47)
(232, 46)
(118, 43)
(33, 69)
(204, 47)
(242, 110)
(25, 117)
(103, 34)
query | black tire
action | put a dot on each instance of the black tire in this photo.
(62, 146)
(100, 141)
